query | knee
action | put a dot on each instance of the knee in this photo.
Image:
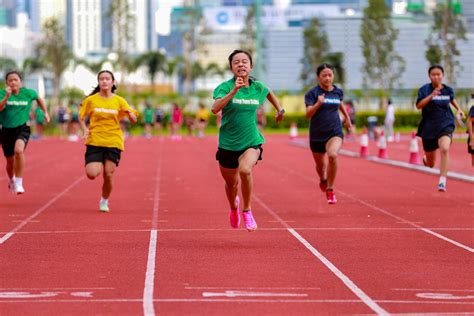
(444, 150)
(92, 174)
(332, 157)
(108, 175)
(245, 172)
(19, 152)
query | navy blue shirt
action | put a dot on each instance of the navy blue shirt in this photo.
(436, 117)
(326, 122)
(471, 114)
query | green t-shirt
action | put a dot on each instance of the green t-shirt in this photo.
(17, 110)
(39, 114)
(148, 115)
(239, 130)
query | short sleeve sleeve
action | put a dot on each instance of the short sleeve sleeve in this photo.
(451, 94)
(124, 106)
(221, 91)
(264, 92)
(84, 109)
(471, 111)
(310, 98)
(421, 95)
(34, 95)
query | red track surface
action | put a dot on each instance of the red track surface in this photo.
(392, 244)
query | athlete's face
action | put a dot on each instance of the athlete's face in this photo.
(436, 76)
(106, 81)
(241, 65)
(14, 82)
(326, 77)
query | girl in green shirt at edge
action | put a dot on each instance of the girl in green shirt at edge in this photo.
(240, 142)
(15, 103)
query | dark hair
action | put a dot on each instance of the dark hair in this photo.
(238, 51)
(97, 88)
(436, 67)
(322, 67)
(11, 72)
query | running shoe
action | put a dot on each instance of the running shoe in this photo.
(249, 221)
(442, 187)
(331, 197)
(12, 186)
(104, 206)
(234, 215)
(323, 185)
(19, 188)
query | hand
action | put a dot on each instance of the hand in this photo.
(461, 113)
(46, 117)
(348, 125)
(279, 117)
(471, 143)
(321, 99)
(8, 91)
(435, 92)
(239, 83)
(131, 115)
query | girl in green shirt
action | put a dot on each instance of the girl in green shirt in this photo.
(240, 142)
(15, 105)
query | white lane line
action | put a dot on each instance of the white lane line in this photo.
(54, 288)
(384, 211)
(178, 230)
(347, 282)
(39, 211)
(248, 288)
(148, 306)
(426, 230)
(233, 300)
(433, 290)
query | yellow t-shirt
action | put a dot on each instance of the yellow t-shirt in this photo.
(203, 114)
(105, 115)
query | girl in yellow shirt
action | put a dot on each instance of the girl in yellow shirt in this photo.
(104, 138)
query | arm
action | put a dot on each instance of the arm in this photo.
(312, 109)
(426, 100)
(455, 104)
(274, 101)
(82, 123)
(5, 98)
(220, 103)
(470, 130)
(44, 109)
(131, 113)
(347, 120)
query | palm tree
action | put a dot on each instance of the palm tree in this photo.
(7, 64)
(154, 61)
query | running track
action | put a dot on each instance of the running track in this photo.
(392, 244)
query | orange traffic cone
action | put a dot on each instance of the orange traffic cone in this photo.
(364, 143)
(293, 130)
(382, 144)
(414, 156)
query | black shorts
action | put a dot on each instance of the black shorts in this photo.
(320, 147)
(11, 135)
(101, 154)
(230, 159)
(469, 148)
(431, 144)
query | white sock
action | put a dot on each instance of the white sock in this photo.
(442, 180)
(18, 181)
(102, 200)
(12, 179)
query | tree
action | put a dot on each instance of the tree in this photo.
(94, 67)
(248, 34)
(7, 64)
(382, 65)
(53, 52)
(448, 27)
(121, 22)
(170, 67)
(316, 52)
(154, 62)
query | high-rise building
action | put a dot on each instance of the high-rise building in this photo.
(8, 13)
(90, 29)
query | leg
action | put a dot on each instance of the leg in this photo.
(332, 148)
(444, 143)
(19, 158)
(430, 158)
(9, 167)
(246, 163)
(472, 159)
(109, 169)
(320, 159)
(94, 169)
(231, 178)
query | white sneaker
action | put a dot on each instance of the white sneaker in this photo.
(19, 188)
(104, 206)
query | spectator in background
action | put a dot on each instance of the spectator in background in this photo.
(261, 119)
(350, 109)
(147, 119)
(74, 121)
(62, 117)
(159, 118)
(389, 121)
(39, 122)
(176, 122)
(202, 118)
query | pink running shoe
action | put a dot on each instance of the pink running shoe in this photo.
(249, 221)
(331, 197)
(234, 215)
(323, 185)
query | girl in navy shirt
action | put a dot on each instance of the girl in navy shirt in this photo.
(470, 131)
(437, 120)
(323, 103)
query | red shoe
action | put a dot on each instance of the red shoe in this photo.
(331, 196)
(323, 185)
(234, 215)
